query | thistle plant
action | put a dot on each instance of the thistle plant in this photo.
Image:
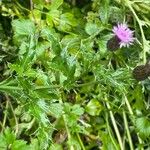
(74, 75)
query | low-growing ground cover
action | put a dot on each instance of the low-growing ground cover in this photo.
(74, 75)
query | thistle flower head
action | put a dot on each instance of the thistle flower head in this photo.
(124, 34)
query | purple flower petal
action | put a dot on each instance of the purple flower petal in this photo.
(124, 34)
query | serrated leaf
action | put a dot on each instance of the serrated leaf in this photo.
(23, 27)
(67, 21)
(3, 142)
(42, 105)
(42, 47)
(20, 145)
(53, 18)
(34, 144)
(71, 44)
(107, 142)
(77, 110)
(55, 4)
(103, 11)
(56, 109)
(56, 147)
(51, 36)
(117, 14)
(143, 126)
(91, 28)
(74, 142)
(93, 107)
(39, 112)
(9, 136)
(23, 48)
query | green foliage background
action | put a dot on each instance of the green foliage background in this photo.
(60, 86)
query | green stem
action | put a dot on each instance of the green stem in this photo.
(30, 124)
(132, 114)
(47, 87)
(85, 84)
(21, 6)
(110, 134)
(128, 132)
(128, 105)
(58, 86)
(115, 127)
(66, 126)
(5, 116)
(16, 120)
(68, 132)
(129, 4)
(7, 87)
(80, 141)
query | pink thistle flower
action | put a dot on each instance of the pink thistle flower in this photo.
(124, 34)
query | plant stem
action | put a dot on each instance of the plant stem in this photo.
(16, 120)
(129, 4)
(7, 87)
(115, 127)
(110, 134)
(85, 84)
(128, 132)
(68, 132)
(47, 87)
(5, 116)
(128, 105)
(58, 86)
(66, 126)
(80, 141)
(30, 124)
(132, 114)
